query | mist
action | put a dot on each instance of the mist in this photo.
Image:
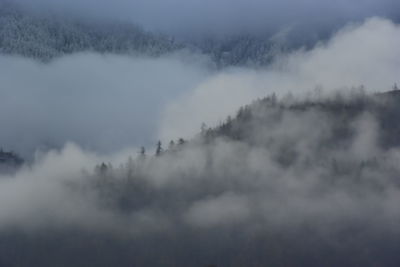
(102, 102)
(290, 163)
(359, 55)
(280, 185)
(106, 103)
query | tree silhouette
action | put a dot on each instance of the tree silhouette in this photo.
(181, 141)
(159, 148)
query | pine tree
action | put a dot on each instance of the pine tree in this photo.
(159, 148)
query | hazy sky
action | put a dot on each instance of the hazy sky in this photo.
(222, 16)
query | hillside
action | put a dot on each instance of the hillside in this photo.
(277, 185)
(340, 111)
(46, 37)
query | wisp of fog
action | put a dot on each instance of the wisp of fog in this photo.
(107, 102)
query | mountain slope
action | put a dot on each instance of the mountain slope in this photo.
(287, 182)
(46, 37)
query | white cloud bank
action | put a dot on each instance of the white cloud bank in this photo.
(365, 54)
(107, 103)
(102, 102)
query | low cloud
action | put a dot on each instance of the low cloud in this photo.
(285, 177)
(227, 208)
(107, 103)
(102, 102)
(364, 54)
(293, 178)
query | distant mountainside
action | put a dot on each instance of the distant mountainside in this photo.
(41, 37)
(46, 37)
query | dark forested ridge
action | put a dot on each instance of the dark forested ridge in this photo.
(341, 109)
(286, 182)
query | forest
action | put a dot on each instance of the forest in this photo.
(214, 133)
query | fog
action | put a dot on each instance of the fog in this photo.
(365, 54)
(107, 103)
(193, 17)
(103, 102)
(214, 185)
(286, 183)
(291, 178)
